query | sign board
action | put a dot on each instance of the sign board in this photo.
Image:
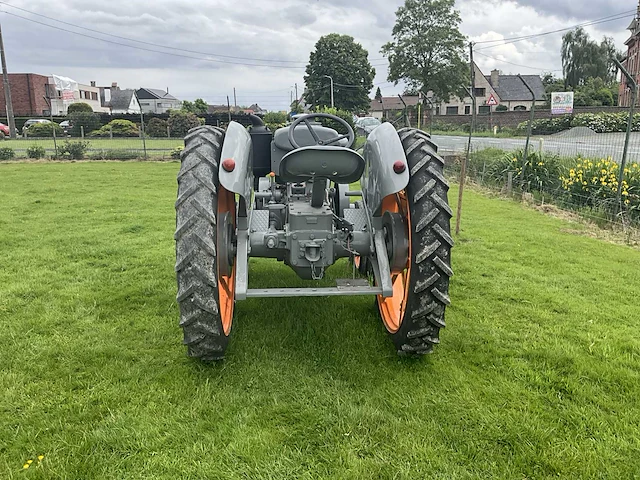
(561, 103)
(492, 102)
(67, 88)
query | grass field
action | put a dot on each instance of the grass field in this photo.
(537, 376)
(155, 146)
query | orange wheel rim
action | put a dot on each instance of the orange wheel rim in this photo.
(392, 308)
(227, 283)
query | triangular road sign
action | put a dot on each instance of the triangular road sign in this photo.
(492, 102)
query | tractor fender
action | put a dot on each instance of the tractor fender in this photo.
(238, 147)
(382, 149)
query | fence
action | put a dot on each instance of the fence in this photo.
(572, 162)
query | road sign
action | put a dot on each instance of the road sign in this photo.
(492, 102)
(561, 103)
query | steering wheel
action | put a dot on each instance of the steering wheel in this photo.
(305, 118)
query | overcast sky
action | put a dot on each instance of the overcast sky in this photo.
(278, 35)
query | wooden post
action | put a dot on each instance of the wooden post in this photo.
(510, 183)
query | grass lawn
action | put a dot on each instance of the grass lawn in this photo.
(537, 376)
(155, 146)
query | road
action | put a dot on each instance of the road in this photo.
(593, 145)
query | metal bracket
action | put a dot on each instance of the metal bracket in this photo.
(242, 264)
(381, 265)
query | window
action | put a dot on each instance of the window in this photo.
(94, 96)
(521, 108)
(467, 109)
(484, 110)
(437, 110)
(452, 110)
(480, 92)
(159, 105)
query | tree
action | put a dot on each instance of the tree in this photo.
(378, 95)
(181, 122)
(428, 50)
(88, 121)
(197, 106)
(79, 107)
(583, 58)
(346, 61)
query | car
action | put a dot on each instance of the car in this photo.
(32, 121)
(4, 131)
(66, 125)
(366, 125)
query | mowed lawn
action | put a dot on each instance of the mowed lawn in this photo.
(537, 375)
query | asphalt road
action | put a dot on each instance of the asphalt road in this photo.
(596, 145)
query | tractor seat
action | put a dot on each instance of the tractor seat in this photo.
(304, 137)
(338, 164)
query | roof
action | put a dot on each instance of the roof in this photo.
(394, 103)
(120, 99)
(154, 93)
(511, 87)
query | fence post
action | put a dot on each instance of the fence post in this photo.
(531, 117)
(144, 141)
(82, 132)
(110, 132)
(168, 132)
(510, 183)
(634, 99)
(463, 170)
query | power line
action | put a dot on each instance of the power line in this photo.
(148, 43)
(151, 50)
(157, 44)
(516, 64)
(597, 21)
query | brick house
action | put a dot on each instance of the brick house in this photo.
(28, 92)
(631, 61)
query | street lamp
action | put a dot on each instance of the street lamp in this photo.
(330, 78)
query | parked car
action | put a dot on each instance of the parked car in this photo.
(4, 131)
(366, 125)
(66, 126)
(32, 121)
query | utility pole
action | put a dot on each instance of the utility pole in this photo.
(229, 108)
(7, 90)
(296, 85)
(473, 87)
(235, 100)
(330, 78)
(532, 114)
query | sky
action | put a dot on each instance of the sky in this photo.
(261, 47)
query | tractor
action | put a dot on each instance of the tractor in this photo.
(292, 195)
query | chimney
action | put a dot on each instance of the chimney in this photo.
(495, 78)
(114, 85)
(93, 83)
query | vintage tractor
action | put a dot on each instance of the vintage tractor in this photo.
(286, 195)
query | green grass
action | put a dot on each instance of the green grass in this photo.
(156, 147)
(537, 375)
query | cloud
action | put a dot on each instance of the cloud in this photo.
(277, 33)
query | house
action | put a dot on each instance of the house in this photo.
(218, 109)
(39, 95)
(631, 61)
(493, 90)
(153, 100)
(388, 107)
(123, 101)
(257, 110)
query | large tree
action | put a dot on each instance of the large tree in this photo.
(584, 58)
(428, 50)
(341, 58)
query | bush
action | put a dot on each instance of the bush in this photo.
(79, 107)
(343, 114)
(89, 121)
(502, 108)
(181, 122)
(542, 171)
(73, 150)
(175, 153)
(44, 130)
(36, 151)
(156, 127)
(7, 153)
(275, 120)
(114, 155)
(595, 183)
(120, 128)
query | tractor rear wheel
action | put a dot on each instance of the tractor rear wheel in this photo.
(205, 225)
(420, 214)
